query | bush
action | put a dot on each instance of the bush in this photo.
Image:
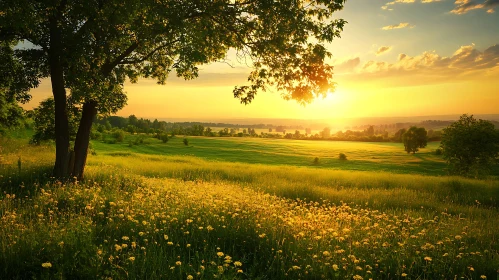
(118, 135)
(438, 152)
(316, 160)
(164, 138)
(342, 156)
(186, 142)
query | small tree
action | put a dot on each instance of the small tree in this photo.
(414, 138)
(342, 156)
(164, 138)
(186, 142)
(470, 146)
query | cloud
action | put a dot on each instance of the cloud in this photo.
(466, 60)
(386, 6)
(347, 65)
(397, 26)
(464, 6)
(383, 50)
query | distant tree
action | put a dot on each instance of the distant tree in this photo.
(186, 141)
(414, 138)
(164, 138)
(397, 137)
(370, 131)
(470, 146)
(326, 132)
(342, 156)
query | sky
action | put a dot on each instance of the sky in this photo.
(394, 59)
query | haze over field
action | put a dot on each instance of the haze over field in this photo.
(400, 58)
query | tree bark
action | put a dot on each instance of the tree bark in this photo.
(83, 137)
(59, 93)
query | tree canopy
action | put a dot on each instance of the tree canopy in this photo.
(91, 47)
(470, 146)
(414, 138)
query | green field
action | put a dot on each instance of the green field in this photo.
(245, 208)
(365, 156)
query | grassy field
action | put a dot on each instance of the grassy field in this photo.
(388, 157)
(230, 208)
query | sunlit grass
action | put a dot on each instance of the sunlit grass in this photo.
(142, 216)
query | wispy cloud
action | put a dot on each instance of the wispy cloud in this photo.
(387, 5)
(383, 50)
(397, 26)
(464, 6)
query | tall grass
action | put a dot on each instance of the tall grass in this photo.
(177, 217)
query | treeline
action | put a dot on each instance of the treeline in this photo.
(132, 124)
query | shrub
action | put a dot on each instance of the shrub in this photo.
(316, 160)
(118, 135)
(438, 152)
(164, 138)
(342, 156)
(186, 142)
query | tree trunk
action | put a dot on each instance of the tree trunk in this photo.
(83, 137)
(59, 93)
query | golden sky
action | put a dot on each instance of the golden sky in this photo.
(400, 58)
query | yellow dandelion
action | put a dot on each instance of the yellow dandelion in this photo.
(46, 265)
(237, 263)
(220, 254)
(190, 277)
(335, 267)
(165, 237)
(428, 259)
(178, 263)
(404, 274)
(131, 259)
(239, 271)
(483, 277)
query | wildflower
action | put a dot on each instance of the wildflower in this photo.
(178, 263)
(190, 277)
(404, 274)
(335, 267)
(188, 245)
(357, 277)
(239, 271)
(483, 277)
(428, 259)
(131, 259)
(326, 253)
(295, 267)
(237, 263)
(220, 254)
(458, 237)
(471, 268)
(46, 265)
(165, 237)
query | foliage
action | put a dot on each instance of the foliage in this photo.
(186, 141)
(44, 121)
(316, 160)
(164, 138)
(118, 135)
(470, 146)
(342, 156)
(414, 138)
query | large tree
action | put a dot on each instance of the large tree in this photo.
(90, 47)
(414, 138)
(470, 146)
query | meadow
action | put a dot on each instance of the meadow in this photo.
(232, 208)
